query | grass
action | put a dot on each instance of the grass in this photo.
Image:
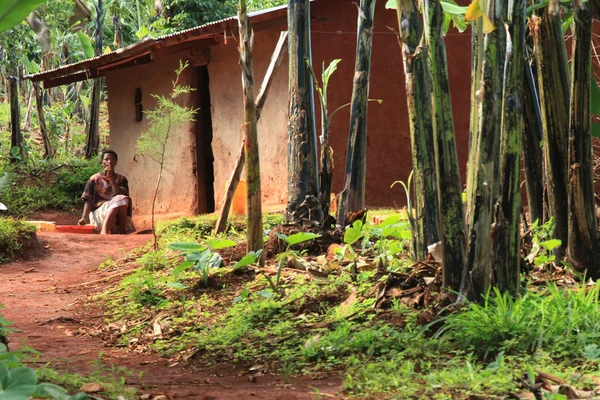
(14, 235)
(45, 185)
(329, 325)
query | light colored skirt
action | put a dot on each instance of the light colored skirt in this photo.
(98, 216)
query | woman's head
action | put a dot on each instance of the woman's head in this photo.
(109, 159)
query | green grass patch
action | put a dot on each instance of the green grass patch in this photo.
(14, 236)
(45, 185)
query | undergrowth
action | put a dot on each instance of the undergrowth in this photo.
(40, 185)
(14, 234)
(322, 325)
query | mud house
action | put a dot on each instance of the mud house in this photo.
(203, 154)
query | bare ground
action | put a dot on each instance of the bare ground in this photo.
(45, 299)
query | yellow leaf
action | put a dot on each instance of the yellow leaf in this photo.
(107, 50)
(474, 11)
(488, 26)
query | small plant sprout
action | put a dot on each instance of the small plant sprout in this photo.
(201, 256)
(291, 240)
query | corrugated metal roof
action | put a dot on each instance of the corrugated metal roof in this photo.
(140, 47)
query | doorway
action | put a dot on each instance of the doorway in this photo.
(204, 155)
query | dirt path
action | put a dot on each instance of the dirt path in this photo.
(45, 300)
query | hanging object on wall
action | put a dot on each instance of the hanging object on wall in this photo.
(139, 110)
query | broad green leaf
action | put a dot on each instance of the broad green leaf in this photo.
(215, 260)
(391, 220)
(4, 375)
(298, 238)
(48, 390)
(182, 267)
(248, 259)
(176, 285)
(551, 244)
(353, 233)
(451, 7)
(217, 244)
(186, 246)
(21, 377)
(596, 130)
(199, 256)
(30, 66)
(142, 32)
(331, 68)
(86, 43)
(13, 12)
(391, 5)
(266, 293)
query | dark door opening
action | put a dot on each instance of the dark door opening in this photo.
(204, 155)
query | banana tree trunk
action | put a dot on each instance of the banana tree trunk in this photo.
(485, 163)
(418, 98)
(554, 81)
(449, 188)
(353, 196)
(93, 134)
(506, 244)
(16, 136)
(39, 102)
(583, 227)
(476, 94)
(303, 177)
(255, 230)
(533, 159)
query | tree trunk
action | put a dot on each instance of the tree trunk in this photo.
(303, 185)
(583, 227)
(16, 137)
(506, 229)
(476, 95)
(449, 188)
(48, 149)
(236, 174)
(533, 159)
(554, 81)
(118, 33)
(27, 125)
(353, 196)
(255, 227)
(486, 164)
(93, 135)
(418, 91)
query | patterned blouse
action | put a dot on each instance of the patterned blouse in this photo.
(99, 189)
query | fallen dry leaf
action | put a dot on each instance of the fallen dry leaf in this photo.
(93, 387)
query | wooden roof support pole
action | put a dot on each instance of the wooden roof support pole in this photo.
(236, 174)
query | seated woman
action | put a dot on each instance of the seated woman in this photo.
(106, 196)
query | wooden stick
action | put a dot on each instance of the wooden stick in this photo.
(236, 174)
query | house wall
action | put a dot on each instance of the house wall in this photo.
(333, 36)
(178, 189)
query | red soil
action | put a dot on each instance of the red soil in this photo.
(45, 300)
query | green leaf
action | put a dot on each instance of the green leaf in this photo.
(215, 260)
(186, 246)
(13, 12)
(142, 32)
(86, 43)
(451, 7)
(176, 285)
(217, 244)
(391, 5)
(266, 293)
(248, 259)
(353, 233)
(182, 267)
(551, 244)
(331, 68)
(30, 66)
(298, 238)
(48, 390)
(595, 130)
